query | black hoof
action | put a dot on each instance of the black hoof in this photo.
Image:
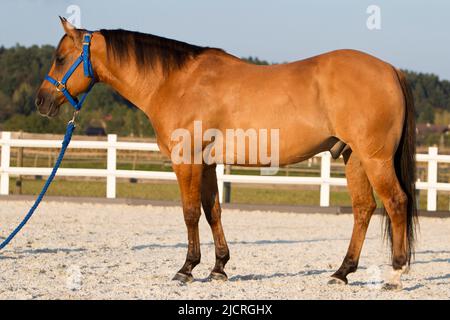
(218, 276)
(392, 286)
(338, 280)
(184, 278)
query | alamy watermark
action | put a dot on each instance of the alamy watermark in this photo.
(74, 12)
(373, 22)
(375, 280)
(258, 147)
(74, 278)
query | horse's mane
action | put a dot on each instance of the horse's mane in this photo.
(149, 50)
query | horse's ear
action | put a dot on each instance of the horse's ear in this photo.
(69, 29)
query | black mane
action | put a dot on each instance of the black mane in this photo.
(149, 50)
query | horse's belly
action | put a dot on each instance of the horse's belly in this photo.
(265, 147)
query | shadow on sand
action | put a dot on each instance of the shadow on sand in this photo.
(20, 254)
(258, 242)
(444, 277)
(253, 277)
(51, 251)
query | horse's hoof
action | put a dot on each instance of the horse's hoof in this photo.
(392, 286)
(184, 278)
(336, 280)
(218, 276)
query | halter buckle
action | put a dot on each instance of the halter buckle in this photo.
(86, 42)
(60, 86)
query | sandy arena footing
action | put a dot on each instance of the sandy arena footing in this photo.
(102, 251)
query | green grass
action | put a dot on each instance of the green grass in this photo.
(243, 194)
(284, 196)
(60, 187)
(90, 164)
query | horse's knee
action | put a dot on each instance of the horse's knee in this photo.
(191, 215)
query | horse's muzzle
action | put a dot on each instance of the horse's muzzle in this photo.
(46, 104)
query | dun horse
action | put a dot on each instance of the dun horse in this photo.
(346, 102)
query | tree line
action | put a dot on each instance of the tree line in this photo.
(22, 70)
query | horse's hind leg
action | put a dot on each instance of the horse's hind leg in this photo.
(211, 206)
(363, 204)
(189, 179)
(384, 180)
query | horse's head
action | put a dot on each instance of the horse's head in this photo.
(49, 97)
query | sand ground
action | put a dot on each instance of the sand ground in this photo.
(98, 251)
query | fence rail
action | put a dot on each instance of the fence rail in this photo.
(111, 173)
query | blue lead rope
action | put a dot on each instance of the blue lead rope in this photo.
(65, 144)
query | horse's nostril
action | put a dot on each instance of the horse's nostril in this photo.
(38, 101)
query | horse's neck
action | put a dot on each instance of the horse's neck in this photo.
(135, 86)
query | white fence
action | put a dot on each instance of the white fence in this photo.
(111, 173)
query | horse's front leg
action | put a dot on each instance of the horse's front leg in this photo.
(211, 207)
(189, 179)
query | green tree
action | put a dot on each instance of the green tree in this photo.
(23, 99)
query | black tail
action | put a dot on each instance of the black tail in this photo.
(405, 167)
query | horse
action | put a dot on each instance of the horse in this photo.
(345, 101)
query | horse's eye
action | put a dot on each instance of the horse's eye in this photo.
(59, 60)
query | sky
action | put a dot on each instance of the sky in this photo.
(413, 34)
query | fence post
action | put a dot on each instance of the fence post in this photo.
(432, 179)
(18, 188)
(219, 173)
(227, 186)
(325, 168)
(4, 166)
(111, 167)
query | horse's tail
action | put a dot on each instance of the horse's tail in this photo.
(405, 167)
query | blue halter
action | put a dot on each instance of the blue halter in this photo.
(61, 86)
(88, 72)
